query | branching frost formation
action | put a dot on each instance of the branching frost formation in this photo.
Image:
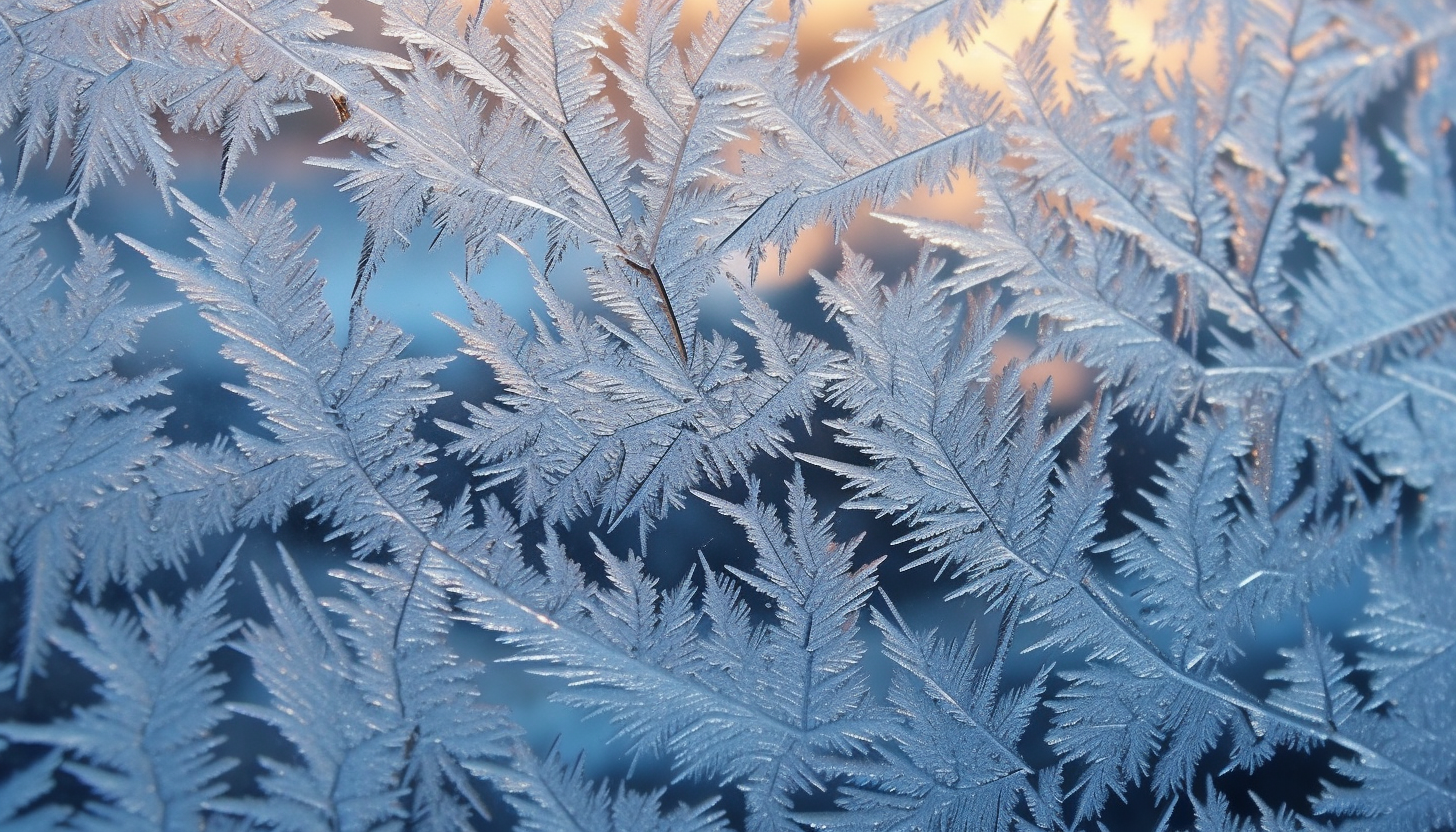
(1250, 257)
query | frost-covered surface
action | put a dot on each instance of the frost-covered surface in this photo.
(1253, 259)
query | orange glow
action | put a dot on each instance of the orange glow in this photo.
(981, 63)
(1071, 382)
(814, 250)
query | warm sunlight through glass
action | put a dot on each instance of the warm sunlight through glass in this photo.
(633, 416)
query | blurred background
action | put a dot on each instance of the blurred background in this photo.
(414, 287)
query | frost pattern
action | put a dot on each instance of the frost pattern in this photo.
(1252, 263)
